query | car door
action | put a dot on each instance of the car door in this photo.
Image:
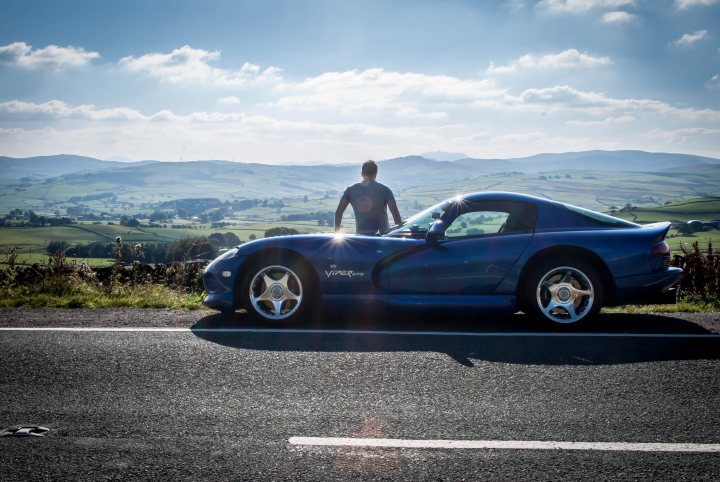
(480, 245)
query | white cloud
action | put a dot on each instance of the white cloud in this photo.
(618, 17)
(605, 122)
(684, 4)
(714, 82)
(229, 100)
(51, 57)
(562, 95)
(567, 59)
(56, 109)
(595, 103)
(336, 115)
(574, 6)
(189, 65)
(684, 136)
(378, 92)
(690, 38)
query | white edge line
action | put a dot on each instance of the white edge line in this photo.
(366, 332)
(504, 444)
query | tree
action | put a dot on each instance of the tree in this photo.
(55, 247)
(158, 217)
(36, 220)
(129, 222)
(280, 231)
(217, 239)
(231, 239)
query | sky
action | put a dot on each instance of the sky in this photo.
(336, 81)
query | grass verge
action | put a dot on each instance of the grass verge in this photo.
(85, 295)
(682, 306)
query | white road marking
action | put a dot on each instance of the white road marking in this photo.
(504, 444)
(366, 332)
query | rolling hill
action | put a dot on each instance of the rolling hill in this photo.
(635, 161)
(52, 166)
(598, 178)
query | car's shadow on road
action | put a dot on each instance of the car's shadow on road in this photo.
(518, 339)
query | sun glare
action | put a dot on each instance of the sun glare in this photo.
(459, 199)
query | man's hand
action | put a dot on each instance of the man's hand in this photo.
(395, 212)
(339, 213)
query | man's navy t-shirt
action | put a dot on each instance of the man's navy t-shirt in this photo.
(369, 202)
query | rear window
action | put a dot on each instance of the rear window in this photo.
(599, 218)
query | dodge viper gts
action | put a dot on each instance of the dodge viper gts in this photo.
(482, 251)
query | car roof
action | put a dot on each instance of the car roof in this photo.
(551, 214)
(507, 196)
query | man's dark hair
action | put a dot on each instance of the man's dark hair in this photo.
(369, 168)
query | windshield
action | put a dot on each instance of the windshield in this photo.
(420, 223)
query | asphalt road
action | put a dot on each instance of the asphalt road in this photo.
(204, 400)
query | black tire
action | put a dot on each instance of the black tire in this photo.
(564, 292)
(278, 289)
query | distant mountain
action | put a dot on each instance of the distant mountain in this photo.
(53, 166)
(493, 166)
(638, 161)
(444, 156)
(418, 170)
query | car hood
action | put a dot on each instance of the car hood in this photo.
(310, 243)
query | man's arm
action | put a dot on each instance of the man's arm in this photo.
(394, 211)
(339, 212)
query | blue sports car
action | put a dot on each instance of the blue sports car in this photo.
(490, 250)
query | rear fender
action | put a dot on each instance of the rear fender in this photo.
(568, 251)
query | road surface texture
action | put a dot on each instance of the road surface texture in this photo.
(154, 394)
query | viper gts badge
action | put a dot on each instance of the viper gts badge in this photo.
(334, 273)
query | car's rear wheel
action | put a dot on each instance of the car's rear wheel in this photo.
(564, 292)
(277, 290)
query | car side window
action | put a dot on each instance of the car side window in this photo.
(476, 223)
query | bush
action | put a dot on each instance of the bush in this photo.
(67, 285)
(701, 277)
(280, 231)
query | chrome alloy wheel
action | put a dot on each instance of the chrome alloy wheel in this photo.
(565, 295)
(275, 292)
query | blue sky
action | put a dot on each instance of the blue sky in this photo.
(342, 81)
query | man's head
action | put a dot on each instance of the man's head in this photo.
(369, 169)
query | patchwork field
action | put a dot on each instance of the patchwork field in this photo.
(597, 190)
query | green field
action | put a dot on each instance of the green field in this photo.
(42, 259)
(705, 209)
(34, 240)
(676, 240)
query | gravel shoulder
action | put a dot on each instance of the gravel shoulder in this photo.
(102, 317)
(146, 318)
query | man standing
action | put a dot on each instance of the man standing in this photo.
(369, 200)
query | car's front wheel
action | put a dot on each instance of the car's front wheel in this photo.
(279, 291)
(564, 292)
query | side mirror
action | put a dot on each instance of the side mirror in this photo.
(436, 232)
